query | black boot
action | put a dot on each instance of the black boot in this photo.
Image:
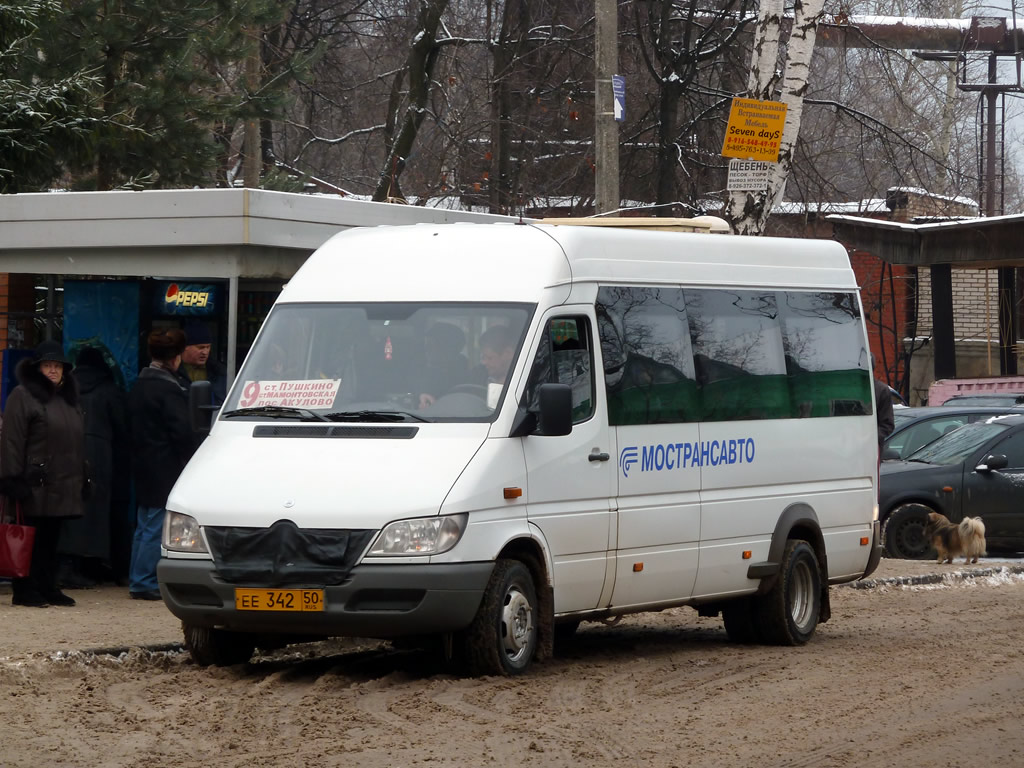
(56, 597)
(25, 594)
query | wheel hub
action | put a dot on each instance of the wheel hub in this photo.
(516, 624)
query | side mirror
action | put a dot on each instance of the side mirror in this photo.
(555, 417)
(890, 453)
(992, 462)
(200, 406)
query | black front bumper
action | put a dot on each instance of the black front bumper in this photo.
(374, 600)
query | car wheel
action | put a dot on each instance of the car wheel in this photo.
(903, 533)
(502, 640)
(788, 613)
(218, 647)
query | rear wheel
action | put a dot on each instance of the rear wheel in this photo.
(218, 647)
(903, 534)
(788, 613)
(502, 640)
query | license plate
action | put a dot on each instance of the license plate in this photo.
(279, 599)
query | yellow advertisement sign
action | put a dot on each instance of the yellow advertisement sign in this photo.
(754, 131)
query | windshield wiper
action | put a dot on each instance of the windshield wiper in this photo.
(276, 412)
(373, 416)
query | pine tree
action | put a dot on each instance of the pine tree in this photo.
(44, 123)
(168, 75)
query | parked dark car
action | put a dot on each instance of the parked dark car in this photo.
(975, 470)
(986, 398)
(916, 427)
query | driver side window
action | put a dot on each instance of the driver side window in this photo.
(1013, 448)
(565, 356)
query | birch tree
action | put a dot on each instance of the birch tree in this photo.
(747, 212)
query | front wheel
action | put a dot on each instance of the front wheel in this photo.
(218, 647)
(788, 613)
(502, 640)
(903, 534)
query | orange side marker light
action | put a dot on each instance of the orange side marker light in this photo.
(513, 493)
(747, 554)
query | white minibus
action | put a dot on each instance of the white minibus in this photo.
(486, 434)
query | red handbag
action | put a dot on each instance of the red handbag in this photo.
(16, 542)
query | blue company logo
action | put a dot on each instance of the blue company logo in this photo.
(705, 453)
(627, 459)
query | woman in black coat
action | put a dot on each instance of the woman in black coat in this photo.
(42, 460)
(85, 543)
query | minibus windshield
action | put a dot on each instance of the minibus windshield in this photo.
(380, 362)
(955, 446)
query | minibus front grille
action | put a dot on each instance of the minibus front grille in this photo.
(284, 554)
(341, 430)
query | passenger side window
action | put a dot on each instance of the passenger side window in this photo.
(648, 363)
(565, 356)
(676, 355)
(738, 354)
(826, 360)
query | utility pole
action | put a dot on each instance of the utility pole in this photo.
(252, 156)
(606, 130)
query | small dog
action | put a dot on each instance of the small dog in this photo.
(967, 538)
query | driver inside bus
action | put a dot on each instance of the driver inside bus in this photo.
(446, 367)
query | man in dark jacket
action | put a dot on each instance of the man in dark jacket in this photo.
(883, 412)
(162, 443)
(197, 365)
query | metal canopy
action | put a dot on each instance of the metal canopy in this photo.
(202, 233)
(979, 243)
(199, 234)
(991, 242)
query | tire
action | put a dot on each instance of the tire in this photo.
(502, 639)
(218, 647)
(788, 613)
(741, 621)
(903, 533)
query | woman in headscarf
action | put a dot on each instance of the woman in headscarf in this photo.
(42, 459)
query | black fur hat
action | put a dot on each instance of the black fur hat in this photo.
(52, 351)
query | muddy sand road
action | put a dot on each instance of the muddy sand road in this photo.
(902, 675)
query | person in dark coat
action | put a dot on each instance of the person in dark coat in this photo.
(162, 444)
(883, 415)
(85, 543)
(197, 365)
(42, 460)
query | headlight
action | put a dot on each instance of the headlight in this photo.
(182, 533)
(422, 536)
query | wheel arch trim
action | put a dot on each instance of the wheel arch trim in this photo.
(797, 521)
